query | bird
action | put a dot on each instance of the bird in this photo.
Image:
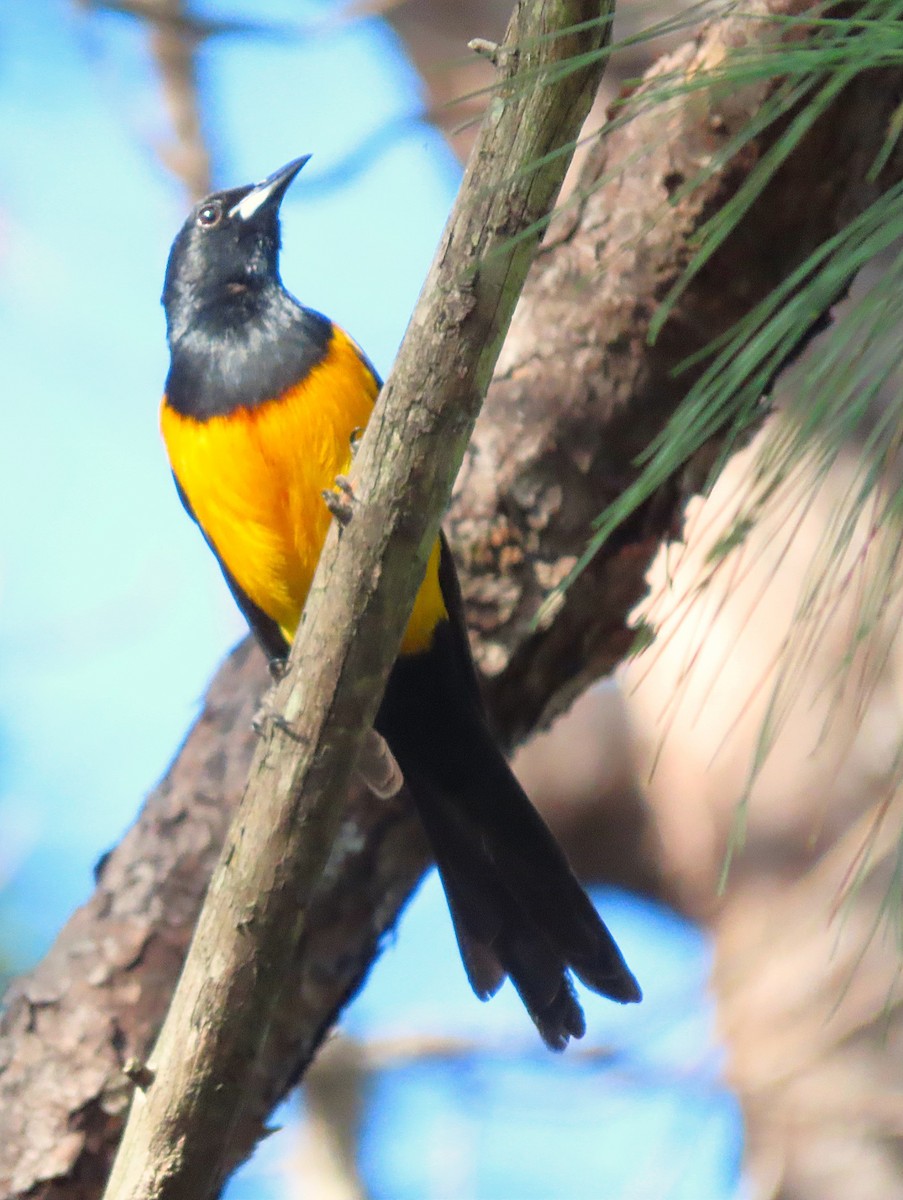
(262, 403)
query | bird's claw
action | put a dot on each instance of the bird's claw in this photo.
(341, 499)
(266, 716)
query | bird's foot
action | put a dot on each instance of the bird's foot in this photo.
(267, 716)
(278, 668)
(340, 500)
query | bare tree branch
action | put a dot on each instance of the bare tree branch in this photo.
(576, 395)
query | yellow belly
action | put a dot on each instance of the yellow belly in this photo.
(254, 480)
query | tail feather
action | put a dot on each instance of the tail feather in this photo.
(517, 908)
(510, 948)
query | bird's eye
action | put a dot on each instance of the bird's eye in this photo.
(210, 215)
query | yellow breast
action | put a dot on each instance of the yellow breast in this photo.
(254, 480)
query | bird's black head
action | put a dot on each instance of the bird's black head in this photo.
(226, 255)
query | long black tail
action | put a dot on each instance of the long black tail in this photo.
(517, 908)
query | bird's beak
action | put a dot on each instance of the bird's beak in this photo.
(269, 192)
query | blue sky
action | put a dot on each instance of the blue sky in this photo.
(113, 615)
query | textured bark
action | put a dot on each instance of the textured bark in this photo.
(577, 394)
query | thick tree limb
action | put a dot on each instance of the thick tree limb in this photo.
(290, 829)
(577, 394)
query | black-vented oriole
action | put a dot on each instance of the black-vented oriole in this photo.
(262, 400)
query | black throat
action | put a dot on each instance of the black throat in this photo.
(249, 347)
